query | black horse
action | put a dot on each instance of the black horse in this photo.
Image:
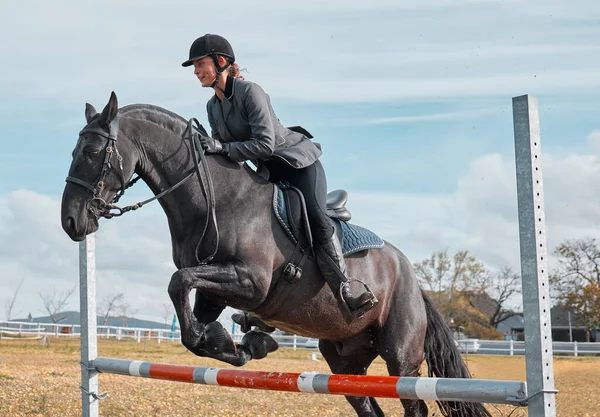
(229, 246)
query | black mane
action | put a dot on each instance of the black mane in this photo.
(164, 118)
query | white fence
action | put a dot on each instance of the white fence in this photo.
(27, 330)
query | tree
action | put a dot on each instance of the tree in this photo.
(576, 280)
(126, 311)
(578, 266)
(461, 280)
(501, 289)
(111, 304)
(587, 304)
(445, 276)
(55, 302)
(10, 303)
(168, 313)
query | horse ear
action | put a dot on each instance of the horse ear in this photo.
(110, 110)
(90, 112)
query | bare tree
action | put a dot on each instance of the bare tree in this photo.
(579, 265)
(55, 302)
(501, 288)
(10, 303)
(126, 312)
(111, 305)
(576, 280)
(168, 313)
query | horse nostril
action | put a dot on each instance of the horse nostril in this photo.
(70, 224)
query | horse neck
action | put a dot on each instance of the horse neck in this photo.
(164, 158)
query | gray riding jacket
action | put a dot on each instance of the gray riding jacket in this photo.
(246, 120)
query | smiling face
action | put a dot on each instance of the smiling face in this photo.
(96, 174)
(205, 70)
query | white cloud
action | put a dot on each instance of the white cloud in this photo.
(134, 252)
(426, 117)
(132, 256)
(481, 214)
(593, 140)
(352, 51)
(335, 51)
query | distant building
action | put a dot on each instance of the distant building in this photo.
(565, 327)
(512, 327)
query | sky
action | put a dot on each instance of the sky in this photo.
(411, 101)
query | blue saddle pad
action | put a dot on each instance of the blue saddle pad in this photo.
(355, 238)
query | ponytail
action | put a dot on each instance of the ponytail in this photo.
(234, 71)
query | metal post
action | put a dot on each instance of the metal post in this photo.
(89, 347)
(534, 270)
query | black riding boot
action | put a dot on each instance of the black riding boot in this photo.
(330, 260)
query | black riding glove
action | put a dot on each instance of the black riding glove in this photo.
(213, 146)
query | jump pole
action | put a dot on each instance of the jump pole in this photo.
(443, 389)
(538, 394)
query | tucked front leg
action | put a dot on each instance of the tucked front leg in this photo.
(226, 284)
(206, 310)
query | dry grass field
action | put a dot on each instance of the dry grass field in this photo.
(44, 381)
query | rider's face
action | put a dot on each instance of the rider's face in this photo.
(205, 70)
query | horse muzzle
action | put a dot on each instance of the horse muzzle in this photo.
(77, 219)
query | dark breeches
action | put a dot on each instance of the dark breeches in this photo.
(312, 183)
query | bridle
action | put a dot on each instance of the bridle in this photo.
(105, 208)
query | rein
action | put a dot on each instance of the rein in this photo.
(104, 209)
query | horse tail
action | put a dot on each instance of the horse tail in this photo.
(444, 361)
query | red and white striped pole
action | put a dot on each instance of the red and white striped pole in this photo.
(442, 389)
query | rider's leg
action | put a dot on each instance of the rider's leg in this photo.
(312, 183)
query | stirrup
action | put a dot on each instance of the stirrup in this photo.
(360, 311)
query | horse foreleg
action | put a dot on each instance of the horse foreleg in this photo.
(227, 284)
(205, 310)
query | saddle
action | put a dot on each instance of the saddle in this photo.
(290, 210)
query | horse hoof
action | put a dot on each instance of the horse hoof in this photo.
(246, 321)
(216, 339)
(259, 344)
(243, 320)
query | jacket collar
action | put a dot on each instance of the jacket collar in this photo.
(229, 87)
(225, 106)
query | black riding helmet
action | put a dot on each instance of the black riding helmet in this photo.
(211, 45)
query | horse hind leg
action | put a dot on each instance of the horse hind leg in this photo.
(355, 363)
(402, 367)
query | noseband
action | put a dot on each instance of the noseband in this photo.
(105, 209)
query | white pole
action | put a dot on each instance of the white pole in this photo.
(570, 329)
(534, 262)
(89, 347)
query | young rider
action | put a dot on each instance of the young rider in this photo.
(245, 127)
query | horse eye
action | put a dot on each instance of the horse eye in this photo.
(91, 154)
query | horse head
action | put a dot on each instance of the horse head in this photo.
(98, 172)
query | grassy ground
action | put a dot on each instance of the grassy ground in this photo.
(44, 381)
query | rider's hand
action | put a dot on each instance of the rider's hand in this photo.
(213, 146)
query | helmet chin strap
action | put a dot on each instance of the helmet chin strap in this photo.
(219, 71)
